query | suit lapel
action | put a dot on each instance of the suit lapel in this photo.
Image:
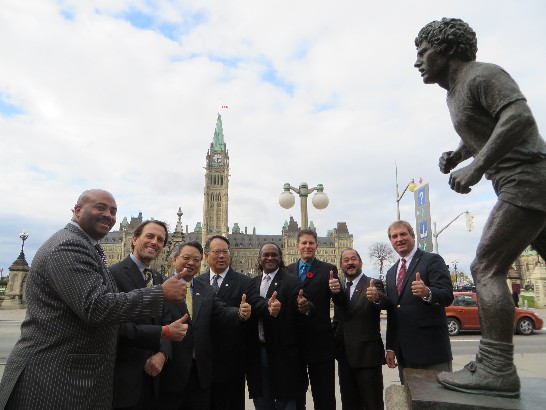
(275, 283)
(311, 274)
(197, 298)
(409, 272)
(134, 274)
(359, 291)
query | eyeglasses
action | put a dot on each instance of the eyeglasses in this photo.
(220, 252)
(186, 258)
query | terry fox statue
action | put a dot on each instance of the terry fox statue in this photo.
(496, 128)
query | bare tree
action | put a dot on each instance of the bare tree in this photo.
(381, 254)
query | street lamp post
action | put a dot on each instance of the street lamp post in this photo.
(435, 234)
(287, 199)
(23, 235)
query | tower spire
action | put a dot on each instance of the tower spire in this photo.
(218, 142)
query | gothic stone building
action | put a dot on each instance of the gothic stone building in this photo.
(244, 245)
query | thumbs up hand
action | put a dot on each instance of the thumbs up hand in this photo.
(335, 286)
(418, 287)
(244, 308)
(303, 303)
(371, 292)
(178, 329)
(274, 305)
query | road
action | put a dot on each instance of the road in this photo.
(529, 356)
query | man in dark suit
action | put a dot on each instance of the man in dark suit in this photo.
(187, 377)
(65, 356)
(139, 358)
(316, 335)
(418, 289)
(229, 344)
(276, 377)
(359, 347)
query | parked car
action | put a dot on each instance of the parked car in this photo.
(463, 315)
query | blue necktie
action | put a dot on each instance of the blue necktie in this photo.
(303, 271)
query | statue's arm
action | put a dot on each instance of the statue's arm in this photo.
(450, 159)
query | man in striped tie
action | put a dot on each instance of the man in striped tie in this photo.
(141, 348)
(418, 289)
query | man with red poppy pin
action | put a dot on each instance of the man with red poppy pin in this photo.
(316, 334)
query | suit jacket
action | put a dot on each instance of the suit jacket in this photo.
(416, 329)
(65, 356)
(136, 342)
(206, 308)
(229, 342)
(357, 329)
(287, 375)
(316, 335)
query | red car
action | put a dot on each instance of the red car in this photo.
(463, 315)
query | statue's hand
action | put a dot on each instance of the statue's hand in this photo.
(461, 180)
(448, 161)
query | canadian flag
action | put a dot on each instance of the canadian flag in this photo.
(224, 106)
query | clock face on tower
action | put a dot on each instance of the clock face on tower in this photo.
(217, 159)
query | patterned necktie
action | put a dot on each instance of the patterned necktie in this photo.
(303, 271)
(401, 276)
(215, 283)
(189, 299)
(101, 254)
(148, 277)
(265, 285)
(266, 279)
(348, 289)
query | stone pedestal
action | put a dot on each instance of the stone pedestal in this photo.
(15, 292)
(422, 391)
(539, 282)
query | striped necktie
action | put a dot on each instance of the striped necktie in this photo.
(215, 283)
(148, 277)
(401, 276)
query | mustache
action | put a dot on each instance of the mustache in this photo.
(351, 266)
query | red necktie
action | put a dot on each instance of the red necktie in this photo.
(401, 276)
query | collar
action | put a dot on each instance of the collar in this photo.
(93, 241)
(301, 262)
(355, 280)
(271, 275)
(222, 275)
(408, 258)
(138, 263)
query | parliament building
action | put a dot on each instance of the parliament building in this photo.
(244, 245)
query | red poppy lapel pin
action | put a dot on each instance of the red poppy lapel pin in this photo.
(310, 275)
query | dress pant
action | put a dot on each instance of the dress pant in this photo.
(322, 377)
(229, 395)
(267, 401)
(361, 388)
(192, 397)
(147, 395)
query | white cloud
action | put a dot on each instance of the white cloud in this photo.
(318, 91)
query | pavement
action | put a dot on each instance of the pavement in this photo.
(529, 365)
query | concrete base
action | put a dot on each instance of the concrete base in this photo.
(424, 392)
(14, 303)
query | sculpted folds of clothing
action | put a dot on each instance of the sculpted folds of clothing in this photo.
(417, 328)
(65, 356)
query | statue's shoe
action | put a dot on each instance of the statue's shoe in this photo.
(475, 378)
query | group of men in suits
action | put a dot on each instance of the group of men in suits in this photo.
(189, 342)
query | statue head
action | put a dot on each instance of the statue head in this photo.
(450, 37)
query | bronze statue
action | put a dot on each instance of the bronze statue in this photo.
(496, 128)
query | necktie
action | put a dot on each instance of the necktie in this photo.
(148, 278)
(189, 299)
(101, 254)
(303, 271)
(265, 285)
(348, 289)
(266, 279)
(215, 283)
(401, 276)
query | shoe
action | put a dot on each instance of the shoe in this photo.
(475, 378)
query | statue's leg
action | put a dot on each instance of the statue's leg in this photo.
(507, 232)
(539, 244)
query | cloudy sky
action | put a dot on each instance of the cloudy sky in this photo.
(123, 95)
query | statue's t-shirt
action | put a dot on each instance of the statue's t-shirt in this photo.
(475, 100)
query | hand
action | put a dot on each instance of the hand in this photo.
(461, 180)
(391, 359)
(371, 293)
(244, 308)
(335, 286)
(154, 364)
(178, 329)
(418, 287)
(173, 289)
(274, 305)
(303, 303)
(448, 161)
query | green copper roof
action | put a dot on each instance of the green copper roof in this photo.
(218, 141)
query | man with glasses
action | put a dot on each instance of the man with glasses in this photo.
(229, 344)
